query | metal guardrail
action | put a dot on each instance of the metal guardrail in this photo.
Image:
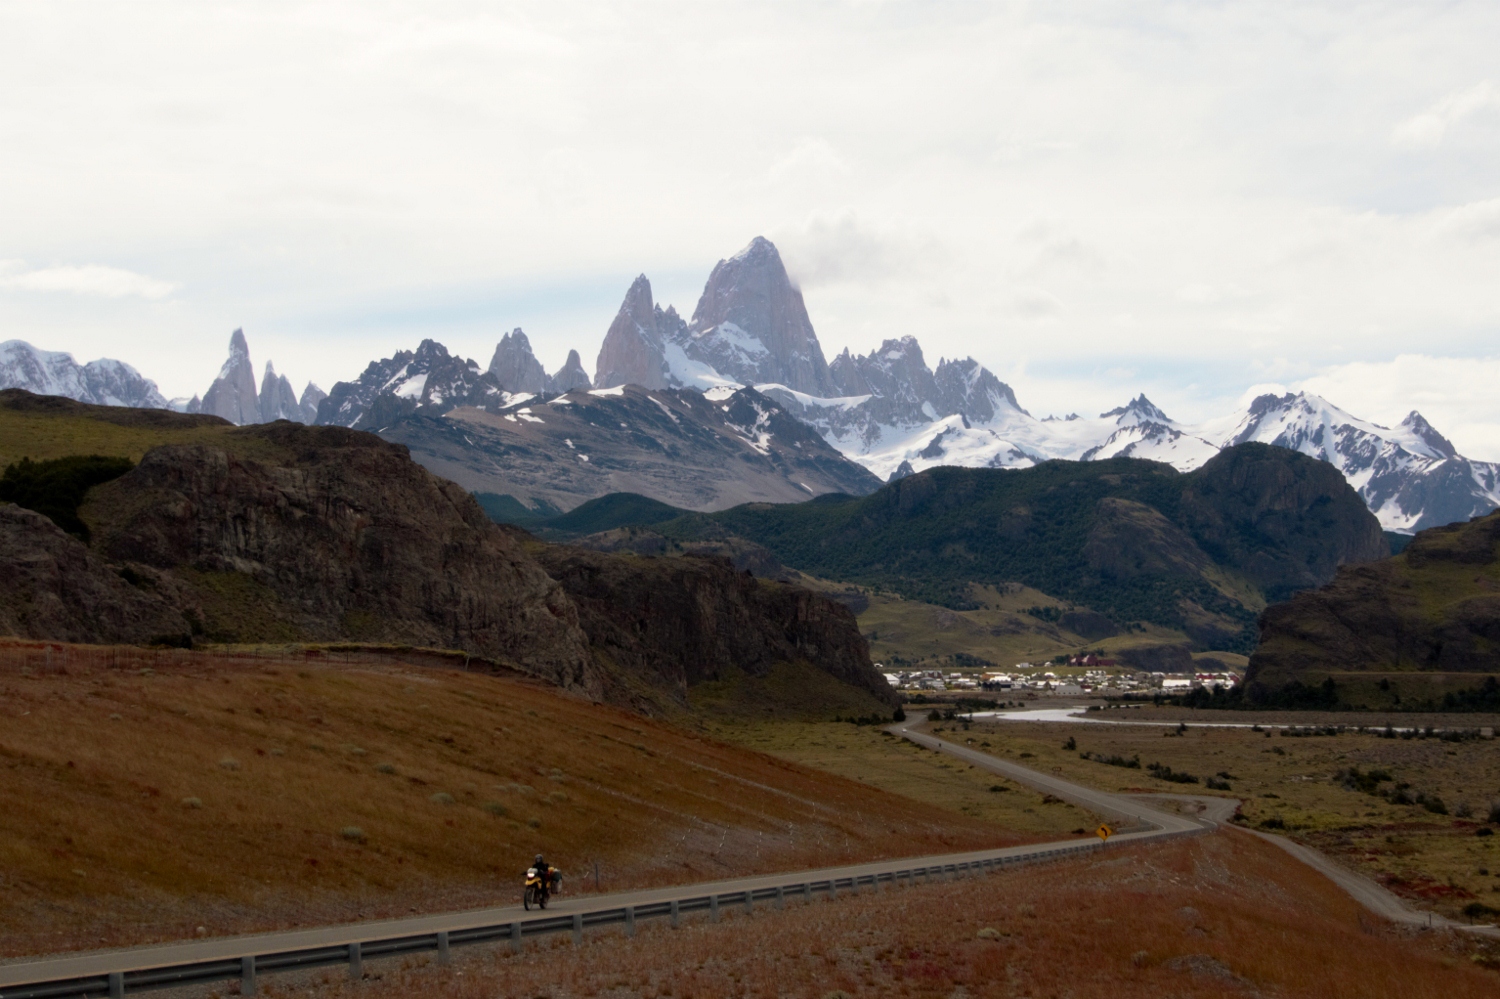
(246, 968)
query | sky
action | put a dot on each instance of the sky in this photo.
(1190, 200)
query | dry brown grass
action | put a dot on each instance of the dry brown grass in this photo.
(1223, 915)
(144, 794)
(1434, 860)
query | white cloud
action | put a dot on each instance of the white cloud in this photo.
(89, 279)
(1432, 125)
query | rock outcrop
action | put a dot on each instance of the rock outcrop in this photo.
(678, 622)
(570, 376)
(752, 325)
(634, 348)
(515, 368)
(428, 379)
(342, 536)
(1433, 608)
(232, 396)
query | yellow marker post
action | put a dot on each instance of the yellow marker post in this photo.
(1104, 832)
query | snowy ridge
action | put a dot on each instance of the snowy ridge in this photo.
(104, 382)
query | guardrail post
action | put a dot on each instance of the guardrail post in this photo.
(443, 947)
(749, 902)
(515, 938)
(117, 985)
(356, 962)
(854, 885)
(630, 920)
(676, 914)
(833, 890)
(713, 907)
(578, 928)
(247, 975)
(807, 890)
(780, 898)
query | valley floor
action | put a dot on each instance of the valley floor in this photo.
(1318, 788)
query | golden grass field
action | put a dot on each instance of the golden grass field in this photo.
(146, 793)
(1221, 915)
(871, 755)
(1434, 860)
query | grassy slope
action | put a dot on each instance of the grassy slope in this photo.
(100, 845)
(1223, 915)
(41, 435)
(1433, 859)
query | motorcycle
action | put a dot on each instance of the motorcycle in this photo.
(538, 890)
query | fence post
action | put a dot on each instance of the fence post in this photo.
(442, 946)
(117, 985)
(676, 914)
(356, 963)
(578, 927)
(515, 938)
(630, 920)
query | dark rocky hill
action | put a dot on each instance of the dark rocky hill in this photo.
(284, 533)
(1433, 609)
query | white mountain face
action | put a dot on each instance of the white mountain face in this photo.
(890, 412)
(428, 379)
(103, 382)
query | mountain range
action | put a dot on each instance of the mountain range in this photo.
(887, 411)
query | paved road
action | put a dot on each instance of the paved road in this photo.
(1216, 810)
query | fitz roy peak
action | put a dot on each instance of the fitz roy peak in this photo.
(750, 328)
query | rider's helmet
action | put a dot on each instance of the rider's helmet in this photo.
(538, 862)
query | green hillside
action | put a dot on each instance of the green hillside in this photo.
(1202, 553)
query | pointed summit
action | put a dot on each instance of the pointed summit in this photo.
(752, 325)
(277, 400)
(570, 376)
(1425, 432)
(233, 395)
(633, 352)
(515, 367)
(1137, 410)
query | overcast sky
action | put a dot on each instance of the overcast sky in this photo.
(1091, 199)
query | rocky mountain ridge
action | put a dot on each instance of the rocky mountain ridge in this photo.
(888, 410)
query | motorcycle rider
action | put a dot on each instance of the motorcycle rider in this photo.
(544, 872)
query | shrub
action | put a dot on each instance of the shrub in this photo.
(385, 768)
(1215, 784)
(1494, 816)
(934, 715)
(1071, 744)
(496, 809)
(441, 798)
(534, 823)
(353, 833)
(55, 489)
(192, 802)
(1163, 772)
(229, 763)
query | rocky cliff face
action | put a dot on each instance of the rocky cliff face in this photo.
(515, 368)
(570, 376)
(751, 324)
(677, 622)
(1435, 607)
(232, 396)
(634, 348)
(338, 534)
